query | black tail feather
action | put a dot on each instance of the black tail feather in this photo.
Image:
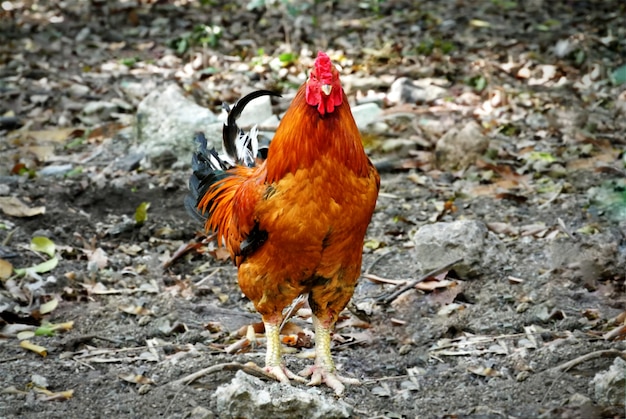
(208, 168)
(231, 131)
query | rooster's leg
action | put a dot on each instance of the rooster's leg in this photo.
(324, 371)
(273, 360)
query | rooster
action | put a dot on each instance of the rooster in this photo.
(294, 223)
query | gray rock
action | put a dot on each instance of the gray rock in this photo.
(55, 170)
(366, 114)
(167, 122)
(404, 90)
(397, 144)
(620, 104)
(128, 162)
(458, 149)
(103, 109)
(608, 386)
(136, 91)
(438, 244)
(200, 412)
(78, 90)
(249, 397)
(588, 258)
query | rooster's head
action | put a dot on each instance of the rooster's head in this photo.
(323, 88)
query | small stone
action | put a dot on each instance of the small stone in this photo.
(102, 108)
(438, 244)
(404, 90)
(144, 389)
(55, 170)
(200, 412)
(366, 114)
(458, 149)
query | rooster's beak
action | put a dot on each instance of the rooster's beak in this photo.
(327, 88)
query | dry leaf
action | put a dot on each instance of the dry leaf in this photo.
(503, 228)
(15, 291)
(97, 256)
(258, 328)
(135, 378)
(13, 207)
(221, 253)
(484, 371)
(54, 135)
(6, 269)
(432, 285)
(130, 249)
(54, 396)
(136, 310)
(40, 350)
(49, 306)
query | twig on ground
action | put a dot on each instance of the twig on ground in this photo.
(553, 197)
(380, 280)
(565, 230)
(13, 358)
(619, 330)
(375, 261)
(387, 378)
(386, 299)
(9, 236)
(249, 368)
(606, 353)
(209, 276)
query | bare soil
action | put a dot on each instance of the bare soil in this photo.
(497, 355)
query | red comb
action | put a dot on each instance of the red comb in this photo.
(322, 63)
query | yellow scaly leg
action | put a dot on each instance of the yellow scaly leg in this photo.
(324, 371)
(273, 359)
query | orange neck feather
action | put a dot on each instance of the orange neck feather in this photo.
(304, 136)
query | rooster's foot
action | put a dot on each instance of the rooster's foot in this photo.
(333, 380)
(282, 374)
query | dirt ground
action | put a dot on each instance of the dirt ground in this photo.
(499, 350)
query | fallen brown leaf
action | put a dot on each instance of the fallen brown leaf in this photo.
(14, 207)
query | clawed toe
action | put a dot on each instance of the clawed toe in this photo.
(333, 380)
(282, 374)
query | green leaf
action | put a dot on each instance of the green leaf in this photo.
(46, 329)
(43, 245)
(478, 83)
(541, 156)
(141, 213)
(74, 172)
(41, 268)
(182, 46)
(618, 76)
(286, 58)
(129, 62)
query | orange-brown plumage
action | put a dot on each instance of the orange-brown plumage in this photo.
(295, 224)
